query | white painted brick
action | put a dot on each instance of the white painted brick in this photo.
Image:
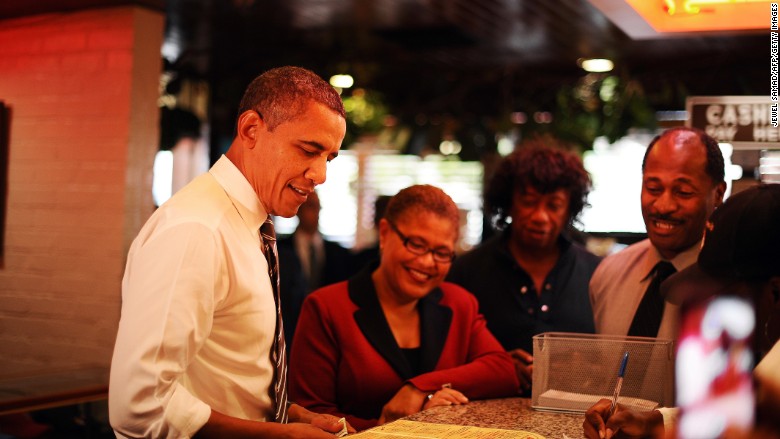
(83, 89)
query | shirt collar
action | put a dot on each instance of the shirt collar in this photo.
(564, 243)
(687, 257)
(683, 259)
(240, 192)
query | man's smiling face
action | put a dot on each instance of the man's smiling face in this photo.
(677, 194)
(290, 160)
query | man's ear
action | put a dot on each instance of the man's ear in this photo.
(720, 191)
(249, 125)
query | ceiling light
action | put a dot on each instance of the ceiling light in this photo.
(341, 81)
(450, 147)
(596, 65)
(505, 145)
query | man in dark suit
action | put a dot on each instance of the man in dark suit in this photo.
(309, 261)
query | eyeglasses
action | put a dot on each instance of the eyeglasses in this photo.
(417, 247)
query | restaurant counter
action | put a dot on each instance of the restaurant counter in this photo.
(507, 413)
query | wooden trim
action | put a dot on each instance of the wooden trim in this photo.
(26, 404)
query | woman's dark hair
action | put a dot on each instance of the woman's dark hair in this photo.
(541, 164)
(422, 198)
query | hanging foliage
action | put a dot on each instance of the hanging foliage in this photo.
(365, 112)
(600, 105)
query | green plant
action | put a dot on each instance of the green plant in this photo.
(600, 105)
(365, 113)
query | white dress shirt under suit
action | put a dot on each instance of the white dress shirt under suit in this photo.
(620, 282)
(198, 313)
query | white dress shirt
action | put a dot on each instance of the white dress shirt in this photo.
(620, 282)
(198, 313)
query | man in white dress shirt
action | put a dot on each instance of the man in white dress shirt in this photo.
(194, 350)
(682, 184)
(739, 258)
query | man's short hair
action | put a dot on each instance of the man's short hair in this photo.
(281, 94)
(715, 167)
(544, 165)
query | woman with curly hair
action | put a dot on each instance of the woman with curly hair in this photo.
(531, 277)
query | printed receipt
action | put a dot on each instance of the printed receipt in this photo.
(427, 430)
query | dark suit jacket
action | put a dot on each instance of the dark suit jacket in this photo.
(367, 256)
(293, 287)
(346, 362)
(339, 265)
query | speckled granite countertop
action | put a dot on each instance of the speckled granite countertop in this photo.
(508, 413)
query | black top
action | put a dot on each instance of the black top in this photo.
(435, 321)
(413, 356)
(507, 296)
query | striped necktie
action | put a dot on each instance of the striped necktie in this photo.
(279, 356)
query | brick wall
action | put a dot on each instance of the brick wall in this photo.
(82, 89)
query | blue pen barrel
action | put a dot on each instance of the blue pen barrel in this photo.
(623, 365)
(621, 373)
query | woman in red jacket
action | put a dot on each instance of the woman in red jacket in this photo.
(395, 339)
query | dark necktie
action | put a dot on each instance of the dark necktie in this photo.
(279, 356)
(648, 316)
(314, 268)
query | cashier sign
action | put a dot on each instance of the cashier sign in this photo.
(744, 121)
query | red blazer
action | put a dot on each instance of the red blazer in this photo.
(345, 361)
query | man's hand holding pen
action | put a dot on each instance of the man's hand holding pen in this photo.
(607, 418)
(619, 385)
(602, 423)
(524, 367)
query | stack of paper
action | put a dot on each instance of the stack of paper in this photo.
(558, 400)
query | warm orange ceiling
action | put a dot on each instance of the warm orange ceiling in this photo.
(642, 19)
(704, 15)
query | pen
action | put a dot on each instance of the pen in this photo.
(619, 384)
